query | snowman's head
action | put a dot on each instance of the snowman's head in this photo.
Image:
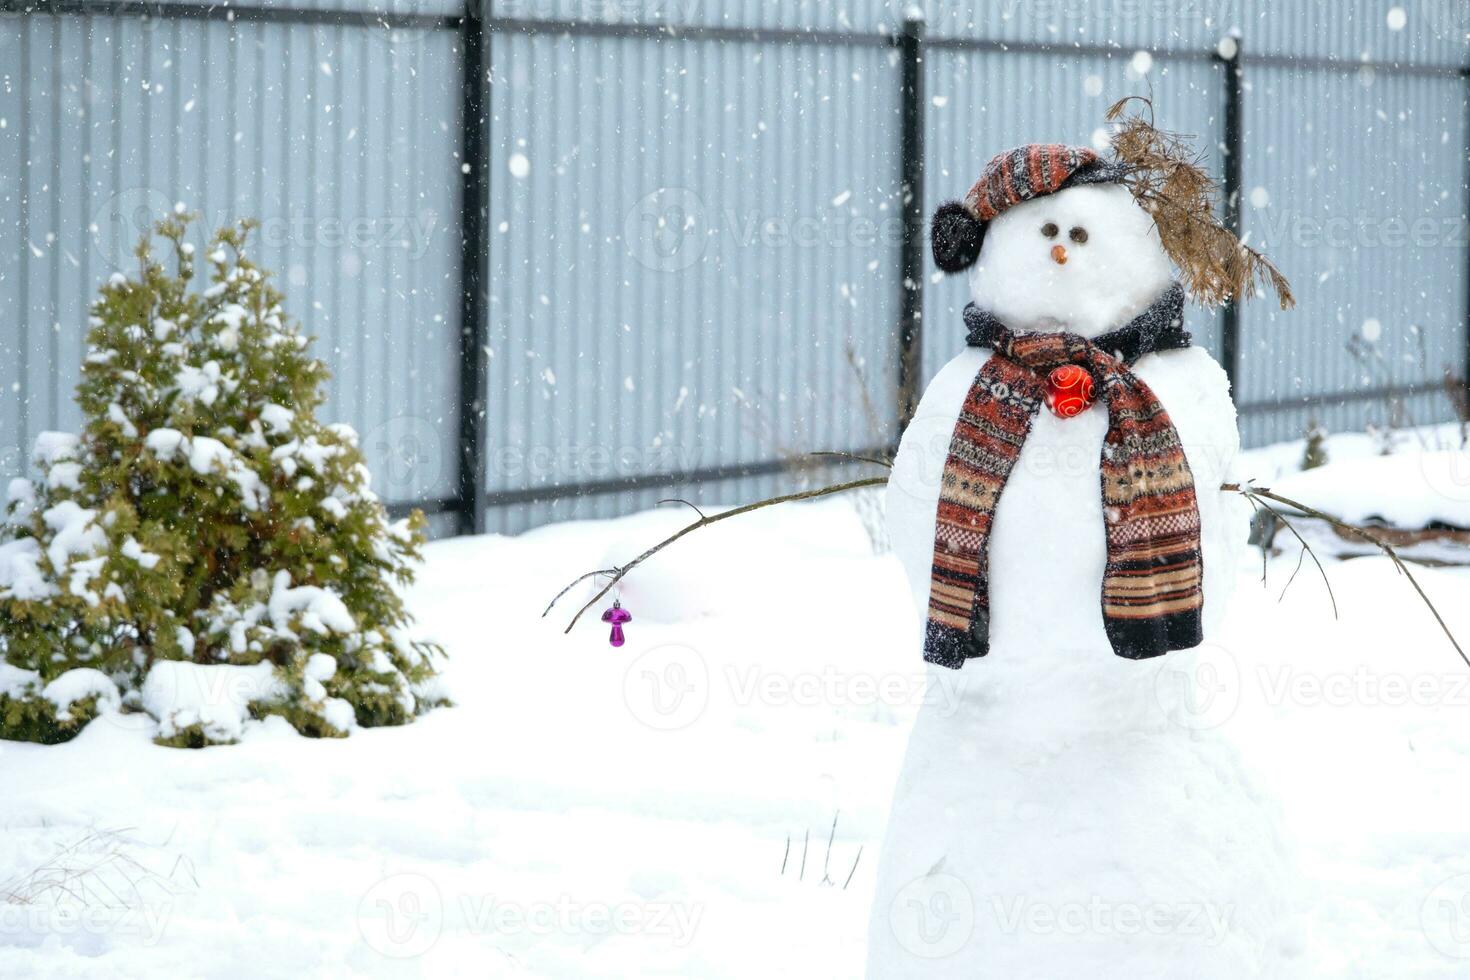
(1053, 241)
(1085, 259)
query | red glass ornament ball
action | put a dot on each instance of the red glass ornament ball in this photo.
(1069, 391)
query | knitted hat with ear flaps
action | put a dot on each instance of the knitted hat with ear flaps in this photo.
(958, 227)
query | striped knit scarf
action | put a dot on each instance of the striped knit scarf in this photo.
(1151, 594)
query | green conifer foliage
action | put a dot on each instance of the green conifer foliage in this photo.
(205, 516)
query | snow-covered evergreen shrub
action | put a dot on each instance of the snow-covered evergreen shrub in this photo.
(204, 516)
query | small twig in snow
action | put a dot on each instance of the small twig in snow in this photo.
(827, 859)
(854, 868)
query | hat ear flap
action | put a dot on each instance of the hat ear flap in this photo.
(955, 236)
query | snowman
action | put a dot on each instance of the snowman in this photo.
(1072, 811)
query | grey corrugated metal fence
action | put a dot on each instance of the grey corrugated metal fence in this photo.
(567, 257)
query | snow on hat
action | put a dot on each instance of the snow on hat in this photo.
(1017, 175)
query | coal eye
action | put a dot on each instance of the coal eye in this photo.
(1049, 229)
(1078, 235)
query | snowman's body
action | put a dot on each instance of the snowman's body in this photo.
(1067, 815)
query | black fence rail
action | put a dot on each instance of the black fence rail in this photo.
(472, 498)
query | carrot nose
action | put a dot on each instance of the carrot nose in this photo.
(1059, 254)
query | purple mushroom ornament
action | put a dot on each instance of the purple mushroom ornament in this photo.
(617, 616)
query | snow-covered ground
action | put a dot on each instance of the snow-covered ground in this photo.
(591, 812)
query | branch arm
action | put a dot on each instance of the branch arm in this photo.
(622, 571)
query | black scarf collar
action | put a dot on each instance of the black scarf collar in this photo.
(1160, 327)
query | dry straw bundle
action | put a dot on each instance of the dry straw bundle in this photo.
(1168, 179)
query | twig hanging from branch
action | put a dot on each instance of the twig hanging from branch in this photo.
(1306, 551)
(1262, 493)
(576, 582)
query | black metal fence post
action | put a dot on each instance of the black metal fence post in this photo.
(911, 301)
(1465, 378)
(473, 265)
(1234, 161)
